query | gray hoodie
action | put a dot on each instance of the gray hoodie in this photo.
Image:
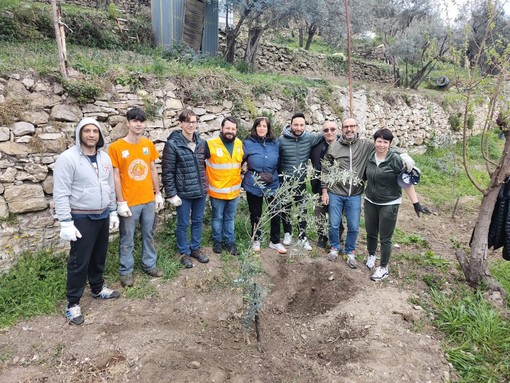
(77, 187)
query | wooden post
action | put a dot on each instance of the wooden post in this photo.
(60, 37)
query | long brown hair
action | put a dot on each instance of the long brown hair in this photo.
(258, 120)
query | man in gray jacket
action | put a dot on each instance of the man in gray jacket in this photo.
(295, 146)
(84, 196)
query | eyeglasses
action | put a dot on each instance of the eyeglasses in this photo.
(327, 130)
(192, 122)
(349, 126)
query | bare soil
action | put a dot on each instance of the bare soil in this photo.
(321, 322)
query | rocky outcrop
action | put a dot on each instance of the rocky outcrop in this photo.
(43, 126)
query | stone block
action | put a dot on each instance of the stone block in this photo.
(25, 198)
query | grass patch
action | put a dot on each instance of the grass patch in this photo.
(500, 270)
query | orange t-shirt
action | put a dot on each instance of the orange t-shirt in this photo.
(134, 164)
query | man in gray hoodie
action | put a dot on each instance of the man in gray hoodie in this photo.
(295, 146)
(84, 196)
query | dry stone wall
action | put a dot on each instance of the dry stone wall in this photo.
(46, 117)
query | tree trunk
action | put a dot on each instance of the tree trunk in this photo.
(250, 56)
(60, 37)
(475, 266)
(311, 32)
(301, 38)
(230, 51)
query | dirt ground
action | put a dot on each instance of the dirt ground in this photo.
(321, 322)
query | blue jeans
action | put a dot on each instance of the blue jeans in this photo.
(223, 212)
(194, 207)
(145, 214)
(351, 206)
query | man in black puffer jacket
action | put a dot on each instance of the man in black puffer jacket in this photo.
(185, 182)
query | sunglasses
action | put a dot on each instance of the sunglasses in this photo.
(327, 130)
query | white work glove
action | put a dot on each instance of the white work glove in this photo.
(175, 200)
(69, 232)
(114, 221)
(160, 202)
(123, 209)
(408, 162)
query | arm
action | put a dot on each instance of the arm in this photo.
(118, 185)
(62, 181)
(411, 193)
(168, 173)
(155, 177)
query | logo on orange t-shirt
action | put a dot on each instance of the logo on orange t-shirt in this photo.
(138, 170)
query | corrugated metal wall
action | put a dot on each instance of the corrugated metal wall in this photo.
(168, 24)
(211, 25)
(167, 21)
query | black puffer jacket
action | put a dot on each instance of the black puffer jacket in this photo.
(499, 230)
(183, 171)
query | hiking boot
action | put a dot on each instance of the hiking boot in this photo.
(126, 280)
(305, 244)
(186, 261)
(198, 255)
(370, 262)
(322, 242)
(255, 246)
(351, 261)
(380, 274)
(333, 255)
(232, 249)
(73, 315)
(155, 272)
(287, 239)
(217, 247)
(106, 293)
(278, 247)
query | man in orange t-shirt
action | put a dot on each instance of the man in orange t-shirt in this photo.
(138, 196)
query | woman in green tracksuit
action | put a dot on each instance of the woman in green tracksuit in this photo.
(383, 196)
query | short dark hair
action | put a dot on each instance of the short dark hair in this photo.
(230, 119)
(258, 120)
(136, 114)
(383, 133)
(185, 115)
(297, 115)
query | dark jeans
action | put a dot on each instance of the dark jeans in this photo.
(380, 222)
(297, 195)
(87, 258)
(255, 206)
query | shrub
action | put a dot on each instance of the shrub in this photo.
(82, 90)
(454, 121)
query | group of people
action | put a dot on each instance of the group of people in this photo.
(95, 192)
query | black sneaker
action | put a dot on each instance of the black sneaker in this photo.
(186, 261)
(106, 293)
(217, 247)
(198, 255)
(322, 242)
(232, 249)
(74, 315)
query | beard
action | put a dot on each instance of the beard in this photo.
(229, 137)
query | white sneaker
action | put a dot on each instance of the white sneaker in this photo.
(278, 247)
(351, 261)
(370, 262)
(256, 246)
(287, 239)
(305, 244)
(380, 273)
(333, 255)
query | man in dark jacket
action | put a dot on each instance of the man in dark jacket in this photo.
(295, 146)
(330, 133)
(183, 175)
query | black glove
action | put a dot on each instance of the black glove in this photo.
(421, 209)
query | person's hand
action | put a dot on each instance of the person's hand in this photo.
(160, 202)
(175, 200)
(114, 221)
(407, 161)
(123, 209)
(69, 232)
(325, 199)
(421, 209)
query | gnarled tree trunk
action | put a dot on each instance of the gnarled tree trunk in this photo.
(250, 56)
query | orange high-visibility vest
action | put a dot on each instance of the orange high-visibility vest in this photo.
(224, 170)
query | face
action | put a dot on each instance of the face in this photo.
(349, 129)
(229, 131)
(382, 145)
(136, 127)
(262, 128)
(89, 136)
(329, 131)
(190, 126)
(298, 125)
